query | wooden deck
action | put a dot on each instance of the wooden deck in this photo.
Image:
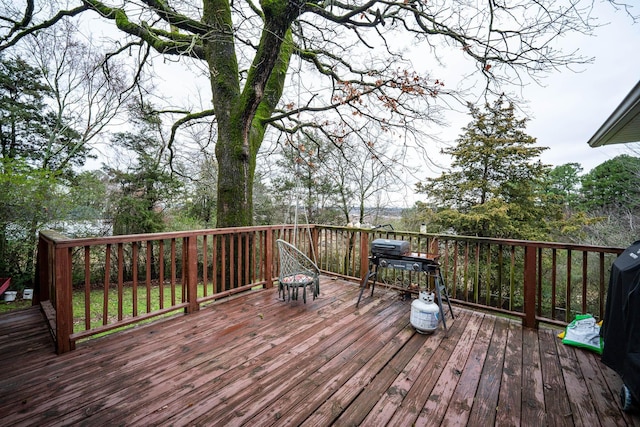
(258, 361)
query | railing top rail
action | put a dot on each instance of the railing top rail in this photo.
(489, 240)
(532, 243)
(62, 241)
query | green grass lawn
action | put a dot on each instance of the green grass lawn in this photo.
(6, 306)
(96, 304)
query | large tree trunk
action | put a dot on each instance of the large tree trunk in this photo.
(241, 114)
(235, 180)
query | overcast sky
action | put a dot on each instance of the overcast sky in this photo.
(573, 106)
(570, 106)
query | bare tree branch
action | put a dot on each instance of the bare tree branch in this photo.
(21, 29)
(186, 119)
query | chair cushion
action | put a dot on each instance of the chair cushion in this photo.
(300, 278)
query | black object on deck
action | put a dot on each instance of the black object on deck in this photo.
(621, 326)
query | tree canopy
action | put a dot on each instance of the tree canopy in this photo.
(563, 184)
(494, 186)
(613, 185)
(357, 53)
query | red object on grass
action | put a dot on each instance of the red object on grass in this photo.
(4, 284)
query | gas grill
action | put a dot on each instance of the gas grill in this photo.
(396, 254)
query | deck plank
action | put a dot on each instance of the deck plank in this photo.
(461, 401)
(420, 375)
(129, 361)
(223, 366)
(131, 358)
(435, 402)
(533, 407)
(556, 394)
(509, 408)
(256, 360)
(485, 401)
(610, 381)
(582, 408)
(275, 372)
(372, 392)
(322, 369)
(596, 385)
(343, 388)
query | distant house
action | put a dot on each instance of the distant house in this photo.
(623, 126)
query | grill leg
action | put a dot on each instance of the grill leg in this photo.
(441, 293)
(373, 272)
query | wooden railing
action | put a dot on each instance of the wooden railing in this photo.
(92, 286)
(129, 279)
(536, 281)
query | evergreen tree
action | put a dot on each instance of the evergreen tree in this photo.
(612, 185)
(563, 184)
(29, 131)
(21, 109)
(494, 186)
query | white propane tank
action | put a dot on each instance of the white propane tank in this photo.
(424, 313)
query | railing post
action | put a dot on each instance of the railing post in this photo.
(43, 272)
(364, 253)
(191, 275)
(315, 242)
(434, 247)
(63, 299)
(530, 287)
(268, 258)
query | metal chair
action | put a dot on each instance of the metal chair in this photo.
(296, 271)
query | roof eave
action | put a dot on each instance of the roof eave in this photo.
(623, 125)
